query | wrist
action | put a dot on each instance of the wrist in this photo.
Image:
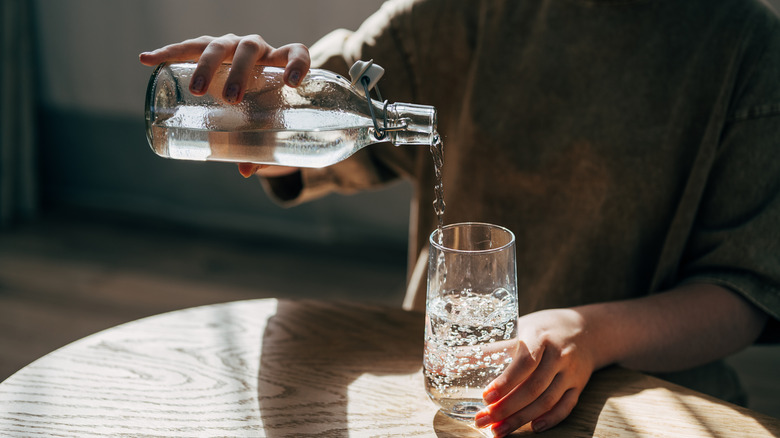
(604, 338)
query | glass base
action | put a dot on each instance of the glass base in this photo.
(463, 410)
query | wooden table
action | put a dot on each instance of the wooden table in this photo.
(281, 368)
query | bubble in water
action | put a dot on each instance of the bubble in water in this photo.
(462, 350)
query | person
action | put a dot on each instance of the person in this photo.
(629, 144)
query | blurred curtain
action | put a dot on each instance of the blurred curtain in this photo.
(18, 170)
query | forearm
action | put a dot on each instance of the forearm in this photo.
(678, 329)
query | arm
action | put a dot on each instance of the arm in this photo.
(560, 348)
(682, 328)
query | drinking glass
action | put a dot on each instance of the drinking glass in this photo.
(471, 314)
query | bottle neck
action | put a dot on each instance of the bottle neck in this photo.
(411, 124)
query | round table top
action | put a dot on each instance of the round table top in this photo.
(297, 368)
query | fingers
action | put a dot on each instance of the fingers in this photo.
(539, 387)
(243, 52)
(188, 50)
(253, 50)
(216, 52)
(537, 393)
(248, 169)
(297, 63)
(523, 364)
(559, 412)
(527, 388)
(549, 399)
(248, 51)
(546, 377)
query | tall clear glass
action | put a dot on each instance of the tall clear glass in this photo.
(471, 314)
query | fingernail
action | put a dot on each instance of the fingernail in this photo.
(491, 397)
(295, 77)
(482, 419)
(231, 94)
(539, 426)
(197, 84)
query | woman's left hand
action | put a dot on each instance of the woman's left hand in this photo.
(559, 349)
(542, 384)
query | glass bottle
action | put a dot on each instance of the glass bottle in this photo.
(324, 120)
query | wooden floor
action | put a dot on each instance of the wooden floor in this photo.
(75, 273)
(72, 275)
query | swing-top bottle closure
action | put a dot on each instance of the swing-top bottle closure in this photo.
(366, 71)
(367, 74)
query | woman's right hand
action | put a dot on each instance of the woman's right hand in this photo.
(243, 52)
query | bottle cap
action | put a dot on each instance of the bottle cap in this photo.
(366, 68)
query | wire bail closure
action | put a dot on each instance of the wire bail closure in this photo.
(368, 74)
(380, 133)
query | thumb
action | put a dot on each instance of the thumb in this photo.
(248, 169)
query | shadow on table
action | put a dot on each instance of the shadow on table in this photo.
(313, 351)
(616, 397)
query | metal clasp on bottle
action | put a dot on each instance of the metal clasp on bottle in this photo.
(368, 74)
(381, 133)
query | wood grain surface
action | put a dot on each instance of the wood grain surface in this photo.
(71, 273)
(279, 368)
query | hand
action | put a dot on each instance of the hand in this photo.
(248, 169)
(243, 53)
(546, 376)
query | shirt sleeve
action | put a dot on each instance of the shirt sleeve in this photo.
(735, 242)
(381, 37)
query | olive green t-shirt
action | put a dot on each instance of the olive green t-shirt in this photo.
(631, 146)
